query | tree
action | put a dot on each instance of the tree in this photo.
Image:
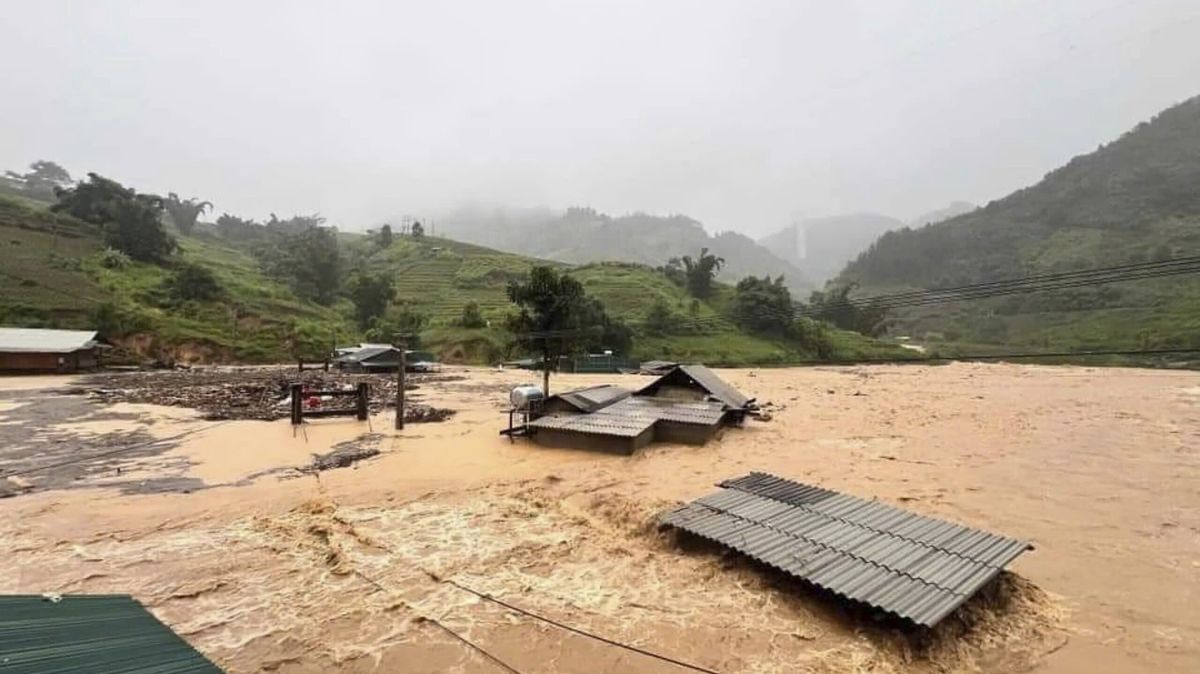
(555, 312)
(405, 322)
(308, 258)
(385, 236)
(700, 273)
(130, 222)
(371, 295)
(471, 316)
(43, 178)
(674, 272)
(659, 319)
(234, 228)
(833, 306)
(193, 282)
(185, 212)
(295, 224)
(763, 305)
(418, 230)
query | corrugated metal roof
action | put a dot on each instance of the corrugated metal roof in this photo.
(702, 377)
(716, 386)
(593, 398)
(629, 416)
(37, 340)
(662, 409)
(595, 424)
(81, 634)
(919, 568)
(369, 352)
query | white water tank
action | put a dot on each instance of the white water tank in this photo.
(522, 397)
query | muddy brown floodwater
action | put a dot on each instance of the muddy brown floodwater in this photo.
(266, 567)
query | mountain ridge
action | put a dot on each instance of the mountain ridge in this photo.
(1134, 199)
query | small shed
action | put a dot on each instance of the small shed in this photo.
(382, 358)
(40, 350)
(371, 358)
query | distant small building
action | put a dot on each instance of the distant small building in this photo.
(382, 358)
(689, 405)
(39, 350)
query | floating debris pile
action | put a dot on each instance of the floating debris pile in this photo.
(252, 393)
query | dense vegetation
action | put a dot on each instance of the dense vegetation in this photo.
(1136, 199)
(240, 290)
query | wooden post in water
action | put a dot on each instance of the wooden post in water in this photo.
(362, 400)
(400, 389)
(297, 404)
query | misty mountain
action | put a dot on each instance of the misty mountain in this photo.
(582, 235)
(1136, 199)
(821, 247)
(955, 209)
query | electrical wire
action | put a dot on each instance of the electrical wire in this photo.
(576, 630)
(923, 359)
(1038, 283)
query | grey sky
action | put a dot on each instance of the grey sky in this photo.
(742, 114)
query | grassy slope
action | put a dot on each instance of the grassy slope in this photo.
(53, 277)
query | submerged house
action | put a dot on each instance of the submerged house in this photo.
(689, 404)
(38, 350)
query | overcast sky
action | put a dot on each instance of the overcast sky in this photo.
(742, 114)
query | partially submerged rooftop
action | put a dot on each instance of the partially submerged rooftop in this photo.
(688, 404)
(915, 567)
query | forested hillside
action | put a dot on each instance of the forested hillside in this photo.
(163, 285)
(1135, 199)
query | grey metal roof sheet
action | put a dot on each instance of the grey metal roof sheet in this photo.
(629, 417)
(37, 340)
(679, 411)
(80, 634)
(919, 568)
(719, 388)
(595, 424)
(593, 398)
(704, 378)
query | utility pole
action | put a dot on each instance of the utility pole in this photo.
(400, 385)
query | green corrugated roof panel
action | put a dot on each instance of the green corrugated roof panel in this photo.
(113, 634)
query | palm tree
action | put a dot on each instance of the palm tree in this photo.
(184, 212)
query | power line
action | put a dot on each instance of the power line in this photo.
(424, 618)
(1036, 283)
(923, 359)
(576, 630)
(1038, 278)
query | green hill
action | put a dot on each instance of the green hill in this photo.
(55, 276)
(1133, 200)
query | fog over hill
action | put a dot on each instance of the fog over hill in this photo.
(737, 116)
(581, 235)
(821, 247)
